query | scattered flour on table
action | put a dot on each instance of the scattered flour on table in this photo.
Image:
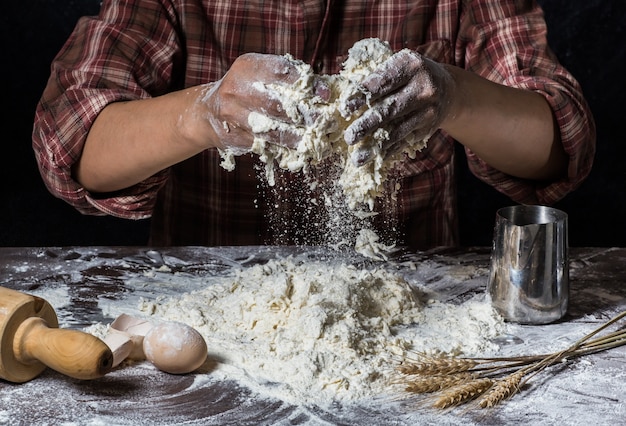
(57, 297)
(317, 332)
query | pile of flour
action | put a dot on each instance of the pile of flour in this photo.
(318, 332)
(311, 332)
(322, 140)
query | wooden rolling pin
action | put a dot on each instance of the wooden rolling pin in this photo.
(30, 341)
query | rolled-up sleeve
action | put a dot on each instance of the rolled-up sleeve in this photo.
(508, 45)
(117, 56)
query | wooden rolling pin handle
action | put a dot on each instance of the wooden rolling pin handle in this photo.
(70, 352)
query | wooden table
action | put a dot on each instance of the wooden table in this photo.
(587, 390)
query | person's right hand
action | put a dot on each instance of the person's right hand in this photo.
(250, 86)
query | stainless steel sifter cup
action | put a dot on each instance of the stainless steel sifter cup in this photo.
(529, 274)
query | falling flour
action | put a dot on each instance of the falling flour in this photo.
(322, 139)
(349, 190)
(312, 332)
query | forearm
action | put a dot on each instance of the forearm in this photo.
(131, 141)
(512, 130)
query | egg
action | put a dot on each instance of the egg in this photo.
(174, 347)
(135, 329)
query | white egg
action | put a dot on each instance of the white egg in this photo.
(175, 347)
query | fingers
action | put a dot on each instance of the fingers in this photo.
(362, 126)
(268, 97)
(267, 68)
(418, 125)
(265, 79)
(395, 72)
(391, 75)
(407, 96)
(390, 94)
(283, 136)
(274, 131)
(401, 96)
(321, 89)
(362, 155)
(392, 108)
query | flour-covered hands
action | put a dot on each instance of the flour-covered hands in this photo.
(408, 96)
(251, 88)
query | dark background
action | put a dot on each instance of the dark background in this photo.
(588, 36)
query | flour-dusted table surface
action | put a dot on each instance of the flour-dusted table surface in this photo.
(75, 280)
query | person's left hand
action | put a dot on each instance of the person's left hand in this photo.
(408, 95)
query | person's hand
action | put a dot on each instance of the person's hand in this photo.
(408, 96)
(253, 87)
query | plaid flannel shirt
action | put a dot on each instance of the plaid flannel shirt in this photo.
(144, 48)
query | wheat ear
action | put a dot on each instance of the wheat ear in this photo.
(435, 383)
(462, 393)
(502, 389)
(441, 365)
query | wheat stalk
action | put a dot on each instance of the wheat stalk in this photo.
(430, 365)
(429, 384)
(462, 393)
(502, 389)
(459, 380)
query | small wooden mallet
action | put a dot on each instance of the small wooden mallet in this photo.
(30, 341)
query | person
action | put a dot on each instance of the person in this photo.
(143, 97)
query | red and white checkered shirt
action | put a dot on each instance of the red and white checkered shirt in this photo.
(144, 48)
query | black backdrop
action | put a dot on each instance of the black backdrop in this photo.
(588, 36)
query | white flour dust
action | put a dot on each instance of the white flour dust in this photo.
(318, 332)
(322, 138)
(346, 192)
(247, 378)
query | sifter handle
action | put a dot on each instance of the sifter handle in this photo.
(70, 352)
